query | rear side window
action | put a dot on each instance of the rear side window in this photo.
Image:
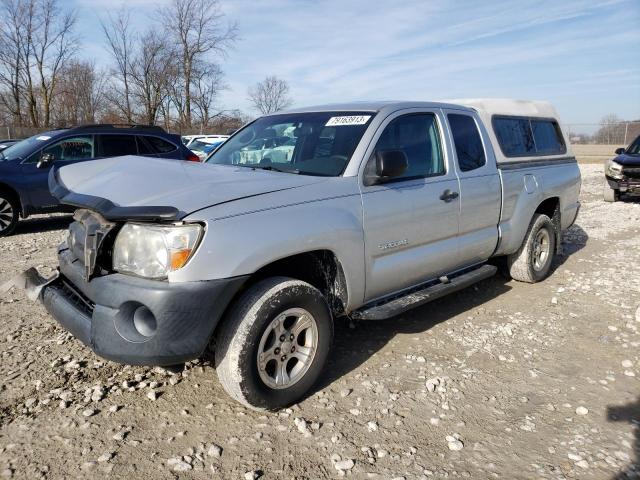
(547, 137)
(143, 147)
(521, 137)
(466, 138)
(117, 145)
(418, 137)
(515, 136)
(159, 145)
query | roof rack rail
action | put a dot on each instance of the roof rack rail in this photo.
(144, 128)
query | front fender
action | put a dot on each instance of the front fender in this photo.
(242, 244)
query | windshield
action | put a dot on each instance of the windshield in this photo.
(317, 143)
(25, 147)
(634, 148)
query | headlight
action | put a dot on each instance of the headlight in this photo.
(153, 251)
(613, 169)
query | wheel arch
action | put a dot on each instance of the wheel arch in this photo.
(551, 208)
(4, 187)
(320, 268)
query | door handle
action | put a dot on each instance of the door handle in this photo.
(448, 195)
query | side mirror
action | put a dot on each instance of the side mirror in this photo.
(46, 159)
(390, 164)
(620, 151)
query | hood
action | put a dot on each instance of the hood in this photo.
(133, 181)
(628, 160)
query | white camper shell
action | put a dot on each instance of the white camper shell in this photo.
(506, 121)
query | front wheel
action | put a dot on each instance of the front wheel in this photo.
(9, 214)
(532, 262)
(274, 343)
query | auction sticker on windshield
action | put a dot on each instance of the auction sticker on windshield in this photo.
(348, 120)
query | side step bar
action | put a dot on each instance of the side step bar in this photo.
(398, 305)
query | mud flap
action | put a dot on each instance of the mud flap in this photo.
(30, 281)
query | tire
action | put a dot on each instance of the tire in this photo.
(267, 312)
(528, 264)
(609, 194)
(9, 213)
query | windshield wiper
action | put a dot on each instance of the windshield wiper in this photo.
(276, 169)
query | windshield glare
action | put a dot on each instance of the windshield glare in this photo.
(317, 143)
(25, 147)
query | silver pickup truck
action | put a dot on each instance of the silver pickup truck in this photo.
(302, 218)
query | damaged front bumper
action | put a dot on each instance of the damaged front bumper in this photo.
(129, 319)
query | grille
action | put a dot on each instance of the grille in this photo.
(631, 172)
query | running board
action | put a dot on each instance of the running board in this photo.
(444, 286)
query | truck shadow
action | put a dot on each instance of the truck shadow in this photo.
(629, 413)
(574, 239)
(43, 224)
(351, 348)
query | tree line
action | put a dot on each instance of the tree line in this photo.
(166, 74)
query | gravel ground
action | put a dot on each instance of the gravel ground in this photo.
(503, 380)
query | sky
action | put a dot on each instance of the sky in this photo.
(583, 56)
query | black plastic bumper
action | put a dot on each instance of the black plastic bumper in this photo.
(100, 313)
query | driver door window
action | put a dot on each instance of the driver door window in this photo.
(80, 147)
(419, 138)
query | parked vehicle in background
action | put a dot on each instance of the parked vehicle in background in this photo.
(622, 173)
(204, 146)
(4, 144)
(25, 166)
(188, 139)
(377, 208)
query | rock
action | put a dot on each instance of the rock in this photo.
(114, 408)
(354, 411)
(582, 464)
(30, 402)
(121, 435)
(454, 443)
(344, 465)
(105, 457)
(554, 301)
(345, 392)
(178, 464)
(432, 383)
(215, 451)
(252, 475)
(302, 425)
(152, 395)
(582, 410)
(89, 412)
(372, 426)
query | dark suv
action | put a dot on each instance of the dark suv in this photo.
(24, 167)
(622, 173)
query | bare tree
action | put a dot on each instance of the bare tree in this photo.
(152, 71)
(52, 43)
(270, 95)
(12, 63)
(80, 94)
(611, 131)
(198, 29)
(207, 85)
(120, 41)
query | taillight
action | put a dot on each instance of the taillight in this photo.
(192, 157)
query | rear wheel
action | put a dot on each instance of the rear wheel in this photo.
(9, 214)
(532, 262)
(610, 194)
(274, 343)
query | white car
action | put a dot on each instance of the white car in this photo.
(204, 146)
(189, 139)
